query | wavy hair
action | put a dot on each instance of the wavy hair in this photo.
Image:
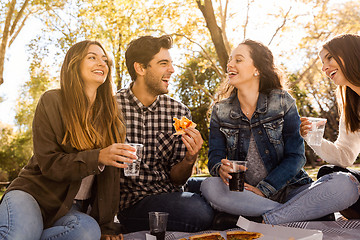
(88, 126)
(346, 47)
(270, 76)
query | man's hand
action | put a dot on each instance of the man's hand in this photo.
(193, 142)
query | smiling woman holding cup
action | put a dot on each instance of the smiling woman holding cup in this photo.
(341, 63)
(257, 121)
(69, 189)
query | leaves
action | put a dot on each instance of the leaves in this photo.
(195, 52)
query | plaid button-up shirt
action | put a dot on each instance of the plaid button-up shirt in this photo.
(153, 127)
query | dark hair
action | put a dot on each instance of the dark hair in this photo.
(264, 62)
(345, 49)
(270, 77)
(143, 50)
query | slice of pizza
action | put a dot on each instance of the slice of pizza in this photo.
(242, 235)
(181, 124)
(207, 236)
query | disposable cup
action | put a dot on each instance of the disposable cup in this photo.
(316, 133)
(236, 183)
(133, 168)
(157, 224)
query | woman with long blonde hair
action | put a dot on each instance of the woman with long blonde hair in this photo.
(70, 187)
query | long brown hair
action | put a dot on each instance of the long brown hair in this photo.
(88, 126)
(347, 48)
(270, 75)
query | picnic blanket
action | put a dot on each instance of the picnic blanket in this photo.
(341, 229)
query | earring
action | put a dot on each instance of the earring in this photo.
(256, 74)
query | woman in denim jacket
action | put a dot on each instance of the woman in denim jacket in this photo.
(258, 122)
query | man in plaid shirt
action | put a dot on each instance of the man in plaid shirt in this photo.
(168, 159)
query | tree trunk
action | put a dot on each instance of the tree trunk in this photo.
(207, 10)
(5, 38)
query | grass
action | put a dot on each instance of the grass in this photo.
(2, 190)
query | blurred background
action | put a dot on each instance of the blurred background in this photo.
(35, 35)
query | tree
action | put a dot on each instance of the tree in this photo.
(119, 23)
(16, 15)
(16, 147)
(198, 77)
(218, 34)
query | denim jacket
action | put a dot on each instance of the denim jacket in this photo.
(275, 126)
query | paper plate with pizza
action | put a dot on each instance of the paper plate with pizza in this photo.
(181, 124)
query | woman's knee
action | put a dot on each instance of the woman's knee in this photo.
(89, 228)
(20, 216)
(211, 185)
(346, 185)
(74, 225)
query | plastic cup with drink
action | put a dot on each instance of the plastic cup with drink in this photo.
(316, 133)
(237, 180)
(133, 168)
(157, 224)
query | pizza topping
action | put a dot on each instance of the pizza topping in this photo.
(181, 124)
(242, 235)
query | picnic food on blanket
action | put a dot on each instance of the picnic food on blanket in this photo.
(181, 124)
(242, 235)
(231, 235)
(207, 236)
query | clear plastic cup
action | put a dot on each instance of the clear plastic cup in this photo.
(236, 183)
(157, 224)
(316, 133)
(133, 168)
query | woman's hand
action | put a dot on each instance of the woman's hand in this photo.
(253, 189)
(111, 237)
(224, 170)
(305, 126)
(116, 153)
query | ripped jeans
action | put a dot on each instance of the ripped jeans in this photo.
(20, 218)
(330, 193)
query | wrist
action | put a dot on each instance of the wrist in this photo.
(190, 160)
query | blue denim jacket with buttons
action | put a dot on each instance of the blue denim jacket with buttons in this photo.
(275, 126)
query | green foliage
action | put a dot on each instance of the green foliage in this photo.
(15, 151)
(116, 23)
(195, 88)
(16, 144)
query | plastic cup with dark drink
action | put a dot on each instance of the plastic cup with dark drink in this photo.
(236, 183)
(157, 224)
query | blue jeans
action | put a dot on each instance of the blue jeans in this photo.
(20, 218)
(188, 212)
(330, 193)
